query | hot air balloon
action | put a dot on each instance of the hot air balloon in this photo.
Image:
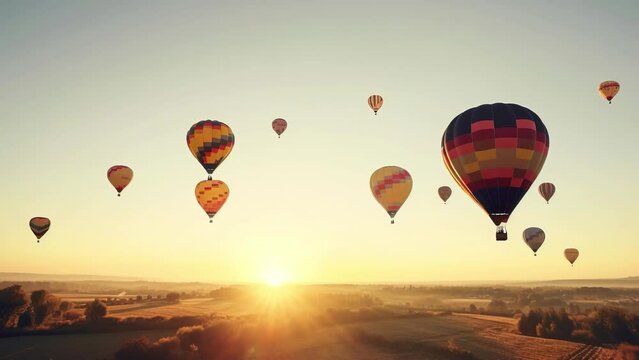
(211, 195)
(39, 226)
(547, 190)
(534, 237)
(571, 255)
(391, 186)
(279, 125)
(210, 142)
(495, 152)
(444, 193)
(375, 102)
(608, 90)
(119, 176)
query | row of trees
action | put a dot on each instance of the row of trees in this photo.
(602, 325)
(22, 311)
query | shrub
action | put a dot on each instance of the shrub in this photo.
(95, 310)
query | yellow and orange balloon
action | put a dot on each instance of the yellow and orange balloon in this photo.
(39, 226)
(391, 186)
(119, 176)
(211, 195)
(608, 90)
(210, 142)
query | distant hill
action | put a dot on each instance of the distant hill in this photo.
(23, 277)
(628, 282)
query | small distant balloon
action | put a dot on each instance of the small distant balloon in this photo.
(39, 226)
(391, 186)
(119, 176)
(210, 143)
(279, 126)
(444, 193)
(608, 90)
(571, 255)
(211, 195)
(534, 237)
(375, 102)
(546, 190)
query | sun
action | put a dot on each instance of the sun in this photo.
(274, 277)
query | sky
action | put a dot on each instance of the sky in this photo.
(91, 84)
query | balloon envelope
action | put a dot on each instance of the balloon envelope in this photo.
(279, 126)
(391, 186)
(534, 237)
(211, 195)
(571, 254)
(444, 193)
(39, 226)
(119, 176)
(608, 89)
(546, 190)
(494, 153)
(210, 143)
(375, 102)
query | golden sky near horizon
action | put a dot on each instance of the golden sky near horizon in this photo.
(91, 84)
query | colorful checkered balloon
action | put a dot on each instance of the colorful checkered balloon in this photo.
(495, 152)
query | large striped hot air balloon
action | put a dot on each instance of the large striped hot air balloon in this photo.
(495, 152)
(210, 142)
(211, 195)
(119, 176)
(279, 126)
(608, 90)
(546, 190)
(444, 193)
(534, 237)
(571, 255)
(39, 226)
(375, 102)
(391, 186)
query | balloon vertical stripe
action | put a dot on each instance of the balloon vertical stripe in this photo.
(375, 102)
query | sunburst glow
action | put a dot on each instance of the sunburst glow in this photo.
(274, 277)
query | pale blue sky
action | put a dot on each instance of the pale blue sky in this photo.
(88, 84)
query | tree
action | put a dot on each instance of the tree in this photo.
(472, 308)
(95, 310)
(173, 297)
(138, 299)
(43, 305)
(25, 320)
(13, 302)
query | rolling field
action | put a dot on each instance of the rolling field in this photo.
(70, 347)
(486, 337)
(190, 307)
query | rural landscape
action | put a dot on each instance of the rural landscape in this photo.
(127, 320)
(319, 180)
